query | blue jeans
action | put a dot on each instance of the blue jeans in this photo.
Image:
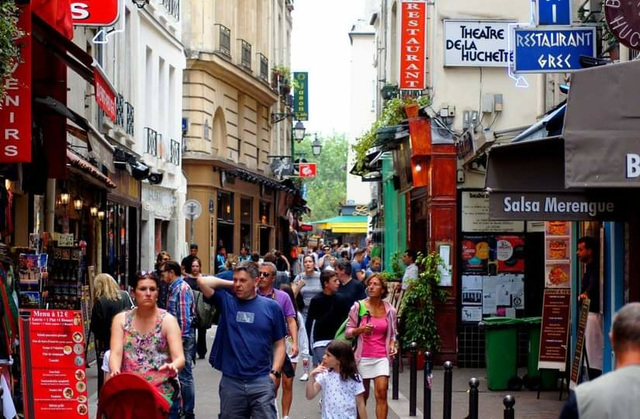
(241, 399)
(187, 386)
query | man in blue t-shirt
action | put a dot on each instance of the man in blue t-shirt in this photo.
(249, 347)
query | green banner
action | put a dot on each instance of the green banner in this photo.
(301, 96)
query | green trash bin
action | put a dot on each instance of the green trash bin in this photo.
(501, 350)
(533, 325)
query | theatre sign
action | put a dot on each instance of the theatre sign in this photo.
(476, 43)
(561, 206)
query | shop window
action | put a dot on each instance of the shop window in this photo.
(246, 217)
(265, 212)
(265, 236)
(225, 207)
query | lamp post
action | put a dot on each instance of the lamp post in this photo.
(316, 146)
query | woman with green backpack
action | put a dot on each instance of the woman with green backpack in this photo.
(375, 332)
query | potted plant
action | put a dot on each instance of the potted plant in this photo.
(395, 271)
(418, 316)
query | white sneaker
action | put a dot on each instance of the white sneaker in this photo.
(304, 377)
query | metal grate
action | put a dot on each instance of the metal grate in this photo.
(224, 40)
(130, 118)
(151, 141)
(174, 156)
(172, 7)
(246, 54)
(264, 68)
(120, 110)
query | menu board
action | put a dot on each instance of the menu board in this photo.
(556, 309)
(52, 355)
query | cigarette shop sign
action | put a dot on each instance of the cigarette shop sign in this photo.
(570, 207)
(95, 12)
(476, 43)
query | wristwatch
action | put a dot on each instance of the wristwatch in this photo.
(277, 374)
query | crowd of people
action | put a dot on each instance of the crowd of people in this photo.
(272, 314)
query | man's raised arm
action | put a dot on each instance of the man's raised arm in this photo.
(208, 284)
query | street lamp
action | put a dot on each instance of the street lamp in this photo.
(316, 147)
(77, 203)
(298, 131)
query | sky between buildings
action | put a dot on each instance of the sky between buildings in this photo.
(320, 45)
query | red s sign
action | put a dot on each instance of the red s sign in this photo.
(95, 12)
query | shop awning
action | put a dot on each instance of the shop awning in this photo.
(343, 224)
(79, 165)
(602, 127)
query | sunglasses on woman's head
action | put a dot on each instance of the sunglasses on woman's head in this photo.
(146, 275)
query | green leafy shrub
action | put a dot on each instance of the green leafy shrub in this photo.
(9, 32)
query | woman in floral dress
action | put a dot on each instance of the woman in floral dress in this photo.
(147, 340)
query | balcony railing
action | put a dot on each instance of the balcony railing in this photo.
(130, 118)
(245, 58)
(264, 68)
(174, 156)
(172, 7)
(224, 40)
(151, 141)
(120, 110)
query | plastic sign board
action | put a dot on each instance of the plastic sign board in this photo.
(554, 12)
(15, 108)
(105, 94)
(413, 45)
(301, 96)
(476, 43)
(95, 12)
(307, 169)
(555, 50)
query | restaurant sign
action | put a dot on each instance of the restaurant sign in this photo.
(413, 45)
(623, 19)
(95, 12)
(539, 206)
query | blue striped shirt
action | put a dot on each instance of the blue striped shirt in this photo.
(182, 305)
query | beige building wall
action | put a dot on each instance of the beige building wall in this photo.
(228, 102)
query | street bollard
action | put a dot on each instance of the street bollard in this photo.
(473, 398)
(413, 379)
(509, 401)
(426, 408)
(448, 388)
(395, 378)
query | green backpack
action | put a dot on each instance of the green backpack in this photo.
(341, 333)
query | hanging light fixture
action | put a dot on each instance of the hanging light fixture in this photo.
(64, 197)
(298, 131)
(93, 211)
(316, 147)
(101, 215)
(140, 3)
(77, 203)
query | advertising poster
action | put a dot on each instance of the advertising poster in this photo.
(475, 255)
(554, 332)
(557, 251)
(471, 314)
(510, 254)
(52, 355)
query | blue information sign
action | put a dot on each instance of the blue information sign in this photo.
(554, 12)
(556, 50)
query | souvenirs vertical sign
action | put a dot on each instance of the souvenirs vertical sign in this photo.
(15, 108)
(52, 344)
(413, 45)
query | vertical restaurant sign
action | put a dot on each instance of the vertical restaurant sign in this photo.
(412, 45)
(95, 12)
(578, 353)
(105, 94)
(15, 108)
(301, 96)
(53, 365)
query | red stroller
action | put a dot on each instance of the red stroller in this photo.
(129, 396)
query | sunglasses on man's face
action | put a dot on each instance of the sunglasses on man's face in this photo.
(265, 274)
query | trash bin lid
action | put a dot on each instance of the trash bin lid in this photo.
(500, 322)
(531, 320)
